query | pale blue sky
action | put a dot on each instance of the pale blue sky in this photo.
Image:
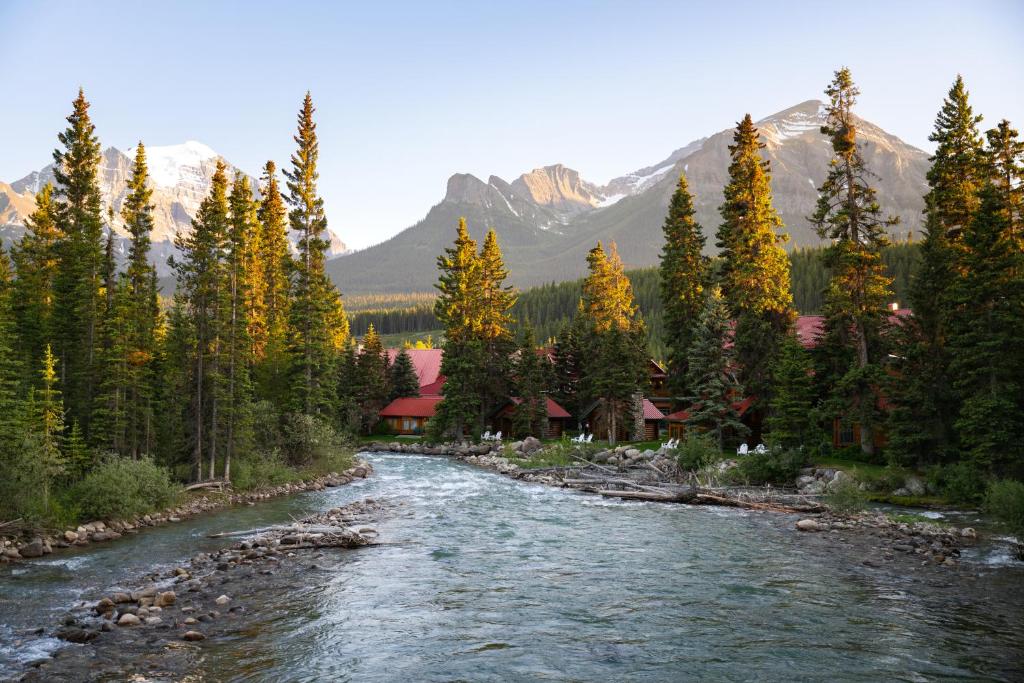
(409, 93)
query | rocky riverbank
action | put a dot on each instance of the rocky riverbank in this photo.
(27, 546)
(155, 632)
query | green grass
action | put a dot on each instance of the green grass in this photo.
(911, 518)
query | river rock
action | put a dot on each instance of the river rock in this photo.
(531, 444)
(915, 485)
(631, 453)
(193, 636)
(128, 620)
(33, 549)
(165, 599)
(103, 606)
(74, 634)
(12, 554)
(808, 525)
(70, 536)
(222, 600)
(969, 532)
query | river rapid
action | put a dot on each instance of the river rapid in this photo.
(485, 578)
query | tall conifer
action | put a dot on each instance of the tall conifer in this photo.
(269, 321)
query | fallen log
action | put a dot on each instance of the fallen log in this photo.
(213, 484)
(682, 496)
(707, 499)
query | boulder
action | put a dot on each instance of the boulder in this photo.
(222, 600)
(631, 453)
(128, 620)
(915, 485)
(70, 536)
(531, 444)
(165, 599)
(103, 606)
(808, 525)
(33, 548)
(193, 636)
(74, 634)
(840, 478)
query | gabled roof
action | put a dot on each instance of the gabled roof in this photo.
(554, 410)
(426, 363)
(434, 388)
(651, 411)
(810, 327)
(420, 406)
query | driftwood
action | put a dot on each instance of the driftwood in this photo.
(708, 499)
(667, 496)
(212, 484)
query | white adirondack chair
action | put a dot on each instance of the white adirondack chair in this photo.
(486, 436)
(742, 450)
(761, 449)
(589, 438)
(496, 437)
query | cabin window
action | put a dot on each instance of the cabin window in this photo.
(408, 424)
(845, 433)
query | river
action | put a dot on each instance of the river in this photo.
(485, 578)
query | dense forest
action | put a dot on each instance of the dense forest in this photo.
(549, 308)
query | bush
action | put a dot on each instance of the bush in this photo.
(960, 482)
(696, 452)
(773, 467)
(260, 470)
(120, 488)
(846, 497)
(1004, 500)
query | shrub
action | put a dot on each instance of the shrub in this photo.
(846, 497)
(119, 488)
(960, 482)
(261, 470)
(307, 439)
(773, 467)
(1004, 500)
(696, 452)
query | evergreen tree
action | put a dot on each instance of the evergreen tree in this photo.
(755, 268)
(458, 309)
(684, 276)
(349, 389)
(269, 321)
(531, 416)
(855, 301)
(615, 356)
(987, 365)
(496, 300)
(10, 367)
(78, 281)
(372, 366)
(402, 379)
(200, 283)
(711, 377)
(36, 262)
(568, 368)
(921, 421)
(789, 412)
(42, 443)
(1005, 165)
(318, 326)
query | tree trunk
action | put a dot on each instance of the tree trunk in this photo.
(198, 451)
(610, 406)
(867, 436)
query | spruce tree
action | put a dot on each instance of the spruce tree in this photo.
(530, 415)
(318, 326)
(372, 367)
(684, 277)
(496, 300)
(789, 412)
(1004, 159)
(77, 302)
(10, 365)
(858, 291)
(36, 264)
(711, 376)
(923, 405)
(755, 268)
(269, 331)
(402, 379)
(568, 368)
(987, 365)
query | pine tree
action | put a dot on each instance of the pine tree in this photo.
(458, 309)
(530, 417)
(684, 277)
(318, 326)
(350, 389)
(987, 365)
(855, 301)
(402, 379)
(36, 263)
(789, 412)
(372, 366)
(77, 301)
(46, 429)
(711, 377)
(921, 421)
(269, 321)
(568, 368)
(614, 358)
(755, 268)
(200, 283)
(10, 366)
(496, 300)
(1005, 165)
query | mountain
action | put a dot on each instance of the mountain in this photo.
(180, 176)
(547, 219)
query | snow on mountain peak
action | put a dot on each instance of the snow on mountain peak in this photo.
(171, 165)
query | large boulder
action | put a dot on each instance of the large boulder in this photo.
(839, 479)
(915, 485)
(531, 444)
(33, 549)
(808, 525)
(129, 620)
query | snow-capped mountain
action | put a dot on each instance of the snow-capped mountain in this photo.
(180, 176)
(547, 219)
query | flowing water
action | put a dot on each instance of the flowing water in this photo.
(486, 578)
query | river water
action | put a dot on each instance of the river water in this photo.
(485, 578)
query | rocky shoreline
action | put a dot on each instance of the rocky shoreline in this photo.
(15, 548)
(153, 632)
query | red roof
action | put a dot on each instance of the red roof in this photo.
(412, 407)
(810, 327)
(740, 406)
(433, 389)
(426, 363)
(651, 412)
(554, 410)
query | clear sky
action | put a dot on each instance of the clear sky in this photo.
(409, 93)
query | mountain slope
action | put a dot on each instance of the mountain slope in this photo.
(546, 239)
